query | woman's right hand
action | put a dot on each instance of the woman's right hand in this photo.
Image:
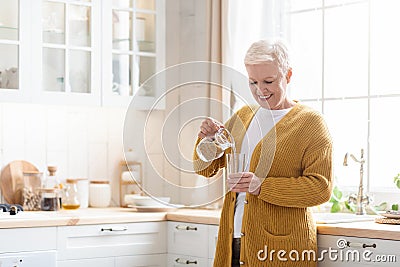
(208, 128)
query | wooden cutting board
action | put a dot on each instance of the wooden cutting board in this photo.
(12, 180)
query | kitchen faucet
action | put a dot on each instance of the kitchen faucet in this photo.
(360, 199)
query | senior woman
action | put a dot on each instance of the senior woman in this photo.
(266, 218)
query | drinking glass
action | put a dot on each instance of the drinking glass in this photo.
(235, 162)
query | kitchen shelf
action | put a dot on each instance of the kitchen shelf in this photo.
(124, 166)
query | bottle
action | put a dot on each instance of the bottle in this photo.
(71, 197)
(213, 147)
(52, 181)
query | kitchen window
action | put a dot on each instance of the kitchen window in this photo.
(345, 57)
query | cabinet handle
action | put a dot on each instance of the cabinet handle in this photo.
(183, 261)
(114, 229)
(360, 245)
(185, 227)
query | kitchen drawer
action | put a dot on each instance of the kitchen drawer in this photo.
(212, 240)
(157, 260)
(28, 239)
(188, 239)
(98, 262)
(175, 260)
(93, 241)
(28, 259)
(386, 250)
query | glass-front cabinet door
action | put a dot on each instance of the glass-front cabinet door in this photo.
(69, 50)
(14, 25)
(134, 48)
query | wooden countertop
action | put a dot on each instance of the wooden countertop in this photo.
(78, 217)
(367, 229)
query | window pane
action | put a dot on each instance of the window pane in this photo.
(79, 73)
(317, 105)
(145, 32)
(145, 4)
(121, 66)
(348, 124)
(122, 30)
(385, 53)
(9, 73)
(123, 3)
(384, 142)
(346, 51)
(53, 69)
(79, 25)
(53, 20)
(306, 43)
(296, 5)
(9, 16)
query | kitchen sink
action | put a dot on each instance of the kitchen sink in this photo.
(326, 217)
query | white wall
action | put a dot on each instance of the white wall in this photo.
(82, 142)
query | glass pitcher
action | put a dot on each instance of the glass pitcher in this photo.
(213, 147)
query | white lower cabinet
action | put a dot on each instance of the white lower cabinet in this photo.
(346, 251)
(191, 244)
(156, 260)
(175, 260)
(28, 247)
(112, 245)
(98, 262)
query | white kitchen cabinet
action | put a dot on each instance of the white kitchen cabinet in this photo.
(191, 243)
(81, 52)
(188, 239)
(28, 239)
(133, 50)
(111, 241)
(28, 247)
(175, 260)
(212, 240)
(158, 260)
(15, 50)
(358, 251)
(97, 262)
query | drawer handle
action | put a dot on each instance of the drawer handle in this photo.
(183, 261)
(359, 245)
(114, 229)
(186, 228)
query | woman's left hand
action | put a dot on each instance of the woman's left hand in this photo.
(244, 182)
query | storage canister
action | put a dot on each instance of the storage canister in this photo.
(49, 199)
(99, 194)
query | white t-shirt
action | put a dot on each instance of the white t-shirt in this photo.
(263, 121)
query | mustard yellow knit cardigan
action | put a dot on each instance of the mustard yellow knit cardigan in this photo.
(295, 158)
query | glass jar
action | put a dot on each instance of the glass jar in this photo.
(99, 194)
(49, 199)
(70, 199)
(31, 193)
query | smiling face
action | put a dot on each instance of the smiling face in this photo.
(268, 85)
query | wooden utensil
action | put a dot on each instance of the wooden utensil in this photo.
(12, 180)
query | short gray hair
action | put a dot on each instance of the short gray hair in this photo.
(272, 50)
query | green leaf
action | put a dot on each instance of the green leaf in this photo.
(335, 208)
(395, 207)
(337, 194)
(381, 207)
(398, 183)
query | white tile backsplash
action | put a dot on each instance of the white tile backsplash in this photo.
(81, 141)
